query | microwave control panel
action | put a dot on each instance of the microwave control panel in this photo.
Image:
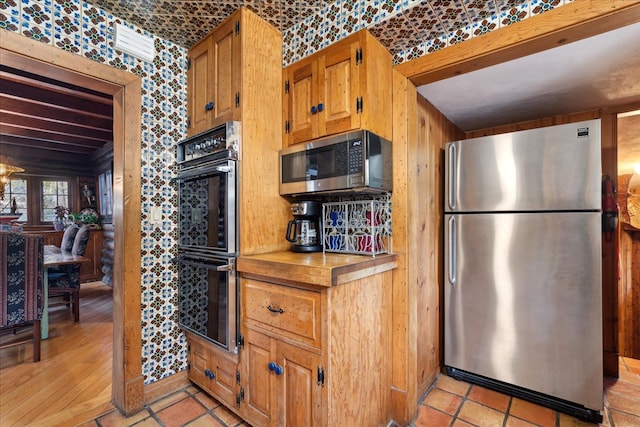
(355, 156)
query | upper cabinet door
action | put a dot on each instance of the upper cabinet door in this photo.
(214, 78)
(346, 86)
(303, 88)
(340, 89)
(200, 87)
(226, 49)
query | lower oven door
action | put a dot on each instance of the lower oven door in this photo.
(208, 298)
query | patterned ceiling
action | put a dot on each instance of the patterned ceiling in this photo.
(408, 29)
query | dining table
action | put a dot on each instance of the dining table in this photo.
(53, 257)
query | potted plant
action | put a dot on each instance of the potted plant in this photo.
(59, 220)
(86, 218)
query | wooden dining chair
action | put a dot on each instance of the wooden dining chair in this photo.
(65, 282)
(21, 287)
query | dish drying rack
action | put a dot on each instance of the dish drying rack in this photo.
(360, 227)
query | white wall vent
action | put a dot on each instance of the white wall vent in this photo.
(128, 41)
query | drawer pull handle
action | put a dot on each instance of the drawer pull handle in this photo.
(275, 310)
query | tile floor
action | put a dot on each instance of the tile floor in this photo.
(448, 402)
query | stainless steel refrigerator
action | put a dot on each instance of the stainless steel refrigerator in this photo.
(523, 296)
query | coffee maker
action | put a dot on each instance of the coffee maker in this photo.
(304, 230)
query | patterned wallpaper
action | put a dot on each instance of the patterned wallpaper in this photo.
(86, 30)
(80, 28)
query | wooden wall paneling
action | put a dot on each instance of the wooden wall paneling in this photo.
(635, 283)
(263, 213)
(403, 395)
(419, 134)
(629, 294)
(610, 254)
(360, 319)
(560, 119)
(625, 297)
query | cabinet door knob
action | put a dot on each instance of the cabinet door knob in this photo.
(320, 107)
(314, 109)
(273, 367)
(209, 106)
(209, 374)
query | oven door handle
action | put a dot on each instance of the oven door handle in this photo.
(205, 169)
(200, 262)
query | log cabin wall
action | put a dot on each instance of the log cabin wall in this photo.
(107, 255)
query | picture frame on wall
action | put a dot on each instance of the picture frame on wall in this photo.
(87, 193)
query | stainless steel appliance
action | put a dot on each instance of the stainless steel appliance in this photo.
(208, 234)
(304, 230)
(357, 162)
(523, 304)
(208, 298)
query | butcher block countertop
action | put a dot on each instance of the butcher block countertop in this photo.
(317, 268)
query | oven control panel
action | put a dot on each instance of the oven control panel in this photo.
(224, 139)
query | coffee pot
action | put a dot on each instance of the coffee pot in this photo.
(304, 229)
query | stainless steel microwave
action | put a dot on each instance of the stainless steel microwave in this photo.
(356, 162)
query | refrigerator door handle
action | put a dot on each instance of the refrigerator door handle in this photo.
(452, 177)
(452, 250)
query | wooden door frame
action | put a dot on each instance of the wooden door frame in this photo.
(27, 54)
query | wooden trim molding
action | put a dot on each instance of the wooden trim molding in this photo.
(574, 21)
(38, 58)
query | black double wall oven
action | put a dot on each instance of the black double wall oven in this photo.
(208, 234)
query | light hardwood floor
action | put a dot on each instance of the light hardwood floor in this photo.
(72, 381)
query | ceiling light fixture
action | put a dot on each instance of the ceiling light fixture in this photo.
(6, 169)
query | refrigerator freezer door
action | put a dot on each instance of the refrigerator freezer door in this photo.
(553, 168)
(523, 301)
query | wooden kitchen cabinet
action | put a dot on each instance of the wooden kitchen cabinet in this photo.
(258, 84)
(317, 332)
(213, 77)
(346, 86)
(213, 369)
(283, 375)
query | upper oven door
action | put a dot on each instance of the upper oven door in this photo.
(207, 208)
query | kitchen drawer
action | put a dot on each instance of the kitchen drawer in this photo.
(282, 310)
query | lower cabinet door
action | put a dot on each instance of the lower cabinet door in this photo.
(259, 354)
(214, 370)
(225, 366)
(199, 365)
(299, 387)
